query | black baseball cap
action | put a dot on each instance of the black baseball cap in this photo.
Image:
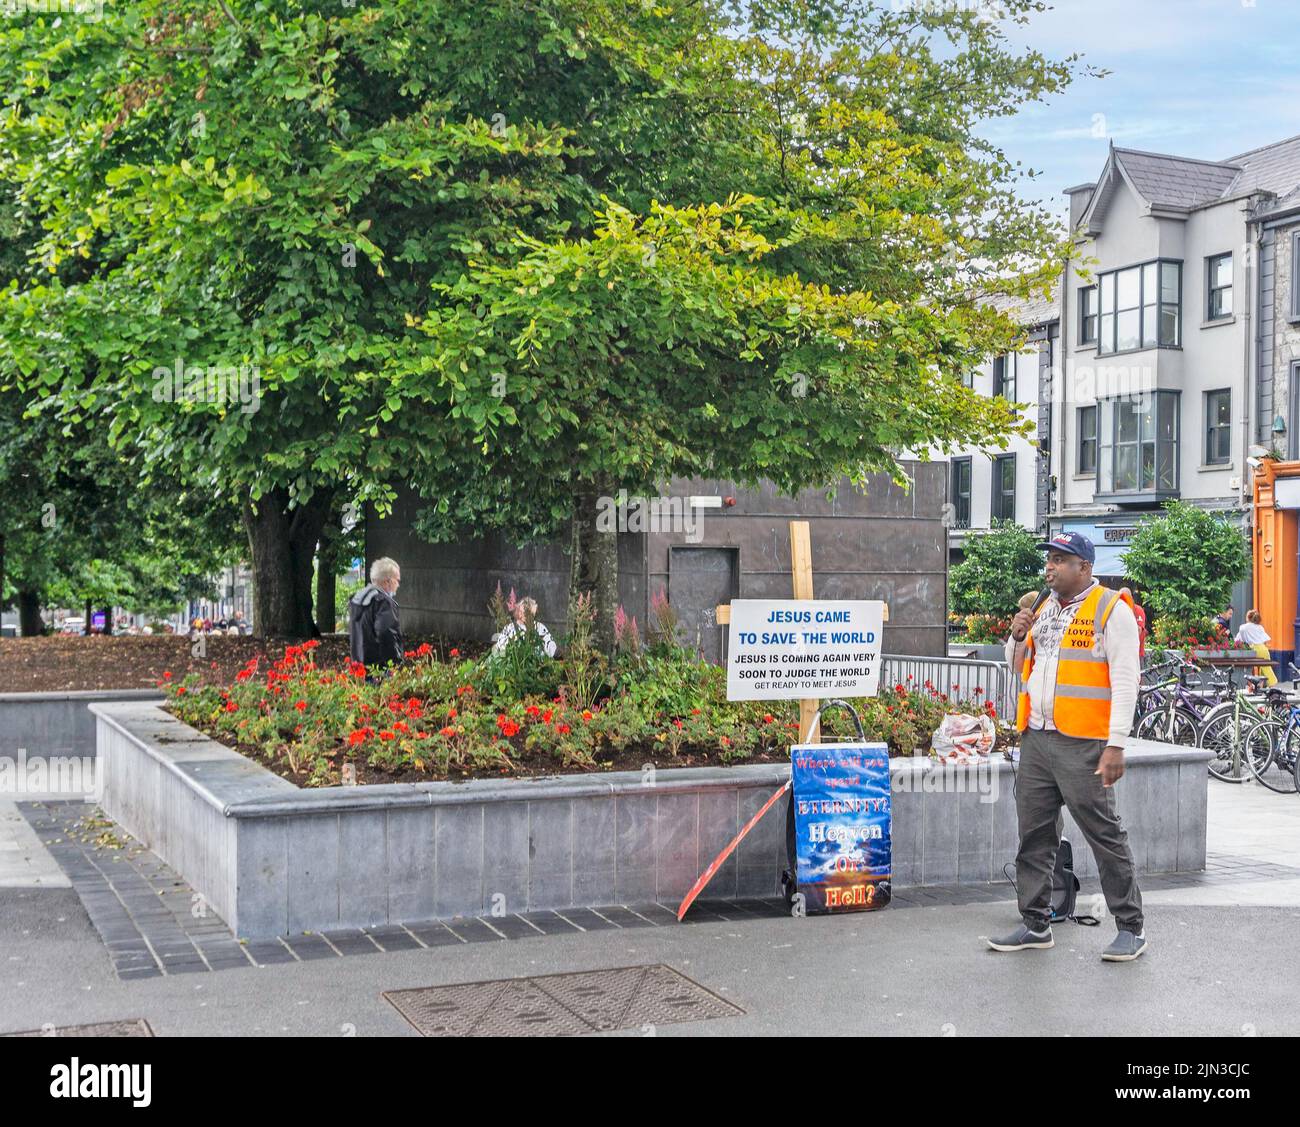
(1073, 542)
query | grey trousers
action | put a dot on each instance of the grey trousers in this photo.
(1056, 769)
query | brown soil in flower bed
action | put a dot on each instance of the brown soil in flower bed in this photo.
(66, 663)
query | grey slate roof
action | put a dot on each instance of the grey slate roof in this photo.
(1273, 168)
(1028, 312)
(1184, 183)
(1168, 181)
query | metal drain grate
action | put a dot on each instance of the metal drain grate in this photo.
(131, 1027)
(557, 1005)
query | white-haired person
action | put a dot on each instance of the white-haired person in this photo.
(374, 625)
(525, 615)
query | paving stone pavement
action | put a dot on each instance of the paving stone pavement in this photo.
(154, 924)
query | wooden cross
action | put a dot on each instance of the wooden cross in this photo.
(802, 576)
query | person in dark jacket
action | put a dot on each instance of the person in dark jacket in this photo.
(374, 627)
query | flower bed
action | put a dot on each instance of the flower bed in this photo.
(459, 718)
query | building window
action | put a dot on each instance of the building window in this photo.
(1087, 440)
(1218, 282)
(1295, 276)
(1137, 445)
(1004, 376)
(1088, 315)
(1140, 307)
(960, 492)
(1004, 487)
(968, 378)
(1218, 427)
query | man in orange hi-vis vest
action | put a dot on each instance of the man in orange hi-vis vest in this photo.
(1077, 658)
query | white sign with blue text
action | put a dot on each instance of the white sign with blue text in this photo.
(796, 649)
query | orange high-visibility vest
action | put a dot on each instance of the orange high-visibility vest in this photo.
(1082, 706)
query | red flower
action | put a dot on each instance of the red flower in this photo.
(167, 676)
(546, 716)
(300, 705)
(509, 728)
(408, 653)
(464, 689)
(532, 710)
(386, 735)
(563, 729)
(900, 689)
(231, 706)
(677, 724)
(180, 692)
(359, 736)
(454, 653)
(586, 714)
(448, 731)
(767, 718)
(451, 713)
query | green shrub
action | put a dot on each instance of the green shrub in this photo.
(1186, 562)
(1000, 566)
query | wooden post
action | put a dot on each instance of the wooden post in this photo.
(802, 578)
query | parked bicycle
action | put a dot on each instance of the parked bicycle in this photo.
(1241, 732)
(1170, 709)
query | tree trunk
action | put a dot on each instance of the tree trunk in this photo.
(90, 613)
(327, 566)
(594, 563)
(30, 622)
(326, 586)
(282, 542)
(108, 620)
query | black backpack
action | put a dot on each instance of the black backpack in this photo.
(1065, 887)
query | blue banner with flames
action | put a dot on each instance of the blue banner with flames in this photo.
(842, 825)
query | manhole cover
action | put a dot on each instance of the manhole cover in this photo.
(560, 1004)
(133, 1027)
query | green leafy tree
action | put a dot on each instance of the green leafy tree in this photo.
(1187, 562)
(999, 566)
(325, 194)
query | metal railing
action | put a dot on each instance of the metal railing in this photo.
(957, 677)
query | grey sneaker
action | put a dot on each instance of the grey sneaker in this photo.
(1023, 939)
(1125, 947)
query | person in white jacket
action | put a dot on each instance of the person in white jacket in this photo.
(525, 613)
(1253, 636)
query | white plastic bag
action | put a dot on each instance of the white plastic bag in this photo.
(961, 738)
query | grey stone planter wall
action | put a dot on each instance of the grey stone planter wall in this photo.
(273, 859)
(56, 723)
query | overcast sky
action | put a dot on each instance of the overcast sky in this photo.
(1199, 78)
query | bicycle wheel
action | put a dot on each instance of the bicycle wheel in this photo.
(1165, 726)
(1220, 734)
(1279, 771)
(1264, 747)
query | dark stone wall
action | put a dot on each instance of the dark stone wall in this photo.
(886, 543)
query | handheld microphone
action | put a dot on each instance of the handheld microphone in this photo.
(1030, 601)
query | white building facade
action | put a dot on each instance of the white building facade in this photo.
(1164, 386)
(1010, 484)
